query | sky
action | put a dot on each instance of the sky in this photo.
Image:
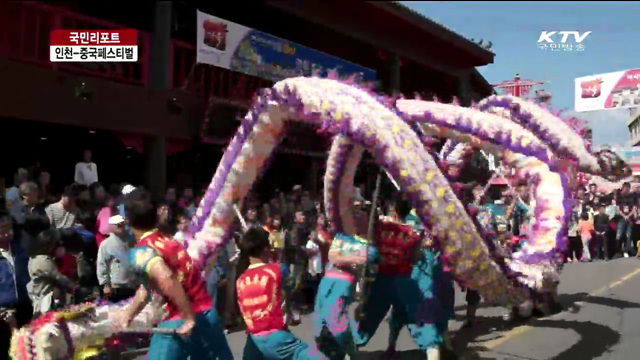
(514, 29)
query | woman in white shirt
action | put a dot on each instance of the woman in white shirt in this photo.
(315, 259)
(86, 171)
(315, 268)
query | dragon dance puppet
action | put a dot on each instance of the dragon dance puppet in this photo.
(537, 144)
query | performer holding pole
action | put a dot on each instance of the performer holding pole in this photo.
(167, 268)
(332, 326)
(365, 285)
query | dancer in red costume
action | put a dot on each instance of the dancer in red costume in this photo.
(400, 246)
(167, 268)
(262, 290)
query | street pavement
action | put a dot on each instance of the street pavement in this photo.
(602, 322)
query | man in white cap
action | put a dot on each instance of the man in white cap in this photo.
(127, 189)
(113, 265)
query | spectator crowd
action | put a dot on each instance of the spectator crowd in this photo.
(69, 246)
(58, 248)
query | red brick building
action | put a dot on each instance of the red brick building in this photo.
(155, 107)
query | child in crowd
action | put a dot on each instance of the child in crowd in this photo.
(323, 238)
(65, 262)
(187, 202)
(171, 197)
(574, 239)
(183, 227)
(276, 236)
(46, 281)
(585, 228)
(86, 251)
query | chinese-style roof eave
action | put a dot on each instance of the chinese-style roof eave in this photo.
(388, 30)
(426, 24)
(484, 88)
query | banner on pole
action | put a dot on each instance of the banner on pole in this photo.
(615, 90)
(239, 48)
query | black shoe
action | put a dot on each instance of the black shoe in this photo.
(555, 308)
(389, 354)
(448, 354)
(537, 313)
(468, 323)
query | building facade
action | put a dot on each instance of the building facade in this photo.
(634, 127)
(157, 105)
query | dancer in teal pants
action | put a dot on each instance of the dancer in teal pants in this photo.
(332, 327)
(436, 288)
(422, 301)
(435, 284)
(262, 290)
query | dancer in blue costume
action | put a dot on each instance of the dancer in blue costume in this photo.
(499, 220)
(333, 329)
(494, 218)
(452, 167)
(437, 286)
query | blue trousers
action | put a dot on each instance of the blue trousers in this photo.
(427, 328)
(279, 345)
(625, 228)
(332, 326)
(206, 342)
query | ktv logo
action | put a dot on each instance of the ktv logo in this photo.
(549, 40)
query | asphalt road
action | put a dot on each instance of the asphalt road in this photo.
(603, 322)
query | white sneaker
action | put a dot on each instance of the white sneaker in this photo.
(626, 255)
(433, 353)
(508, 316)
